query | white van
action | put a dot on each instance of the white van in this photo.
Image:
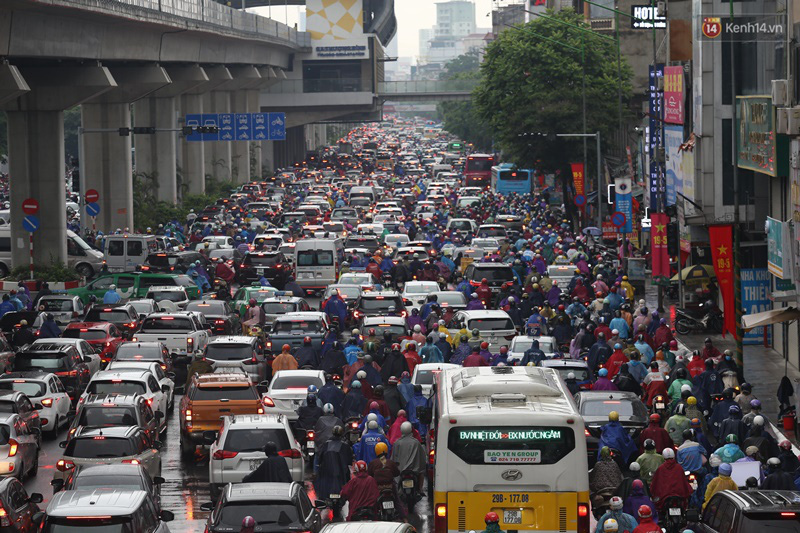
(362, 192)
(127, 251)
(80, 256)
(317, 262)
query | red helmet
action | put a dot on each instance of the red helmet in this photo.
(645, 511)
(655, 417)
(252, 302)
(491, 518)
(361, 466)
(561, 307)
(306, 340)
(249, 521)
(395, 346)
(286, 348)
(372, 331)
(484, 345)
(484, 280)
(786, 445)
(374, 405)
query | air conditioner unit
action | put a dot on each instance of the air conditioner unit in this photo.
(782, 120)
(793, 121)
(780, 93)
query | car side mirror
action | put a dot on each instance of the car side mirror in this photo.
(62, 444)
(57, 485)
(207, 506)
(158, 445)
(38, 406)
(165, 389)
(158, 480)
(320, 504)
(171, 375)
(87, 359)
(209, 437)
(35, 497)
(159, 415)
(167, 516)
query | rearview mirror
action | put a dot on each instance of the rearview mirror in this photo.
(87, 359)
(207, 506)
(165, 389)
(209, 437)
(319, 504)
(35, 497)
(57, 484)
(171, 375)
(158, 415)
(167, 516)
(62, 444)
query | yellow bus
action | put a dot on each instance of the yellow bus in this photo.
(508, 440)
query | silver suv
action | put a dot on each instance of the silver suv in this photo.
(238, 450)
(103, 510)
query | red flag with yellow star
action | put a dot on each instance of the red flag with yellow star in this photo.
(659, 255)
(721, 238)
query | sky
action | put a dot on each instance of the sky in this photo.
(412, 16)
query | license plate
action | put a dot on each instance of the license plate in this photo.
(660, 406)
(335, 496)
(310, 444)
(674, 511)
(512, 516)
(694, 485)
(388, 505)
(255, 463)
(408, 483)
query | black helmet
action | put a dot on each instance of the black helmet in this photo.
(338, 431)
(378, 391)
(387, 335)
(751, 483)
(649, 444)
(688, 434)
(728, 393)
(270, 449)
(681, 373)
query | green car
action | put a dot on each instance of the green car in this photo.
(243, 295)
(133, 285)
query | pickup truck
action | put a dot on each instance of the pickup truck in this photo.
(183, 333)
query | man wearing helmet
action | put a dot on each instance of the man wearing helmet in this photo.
(384, 470)
(361, 491)
(273, 470)
(619, 518)
(615, 436)
(669, 480)
(254, 316)
(306, 355)
(285, 360)
(365, 448)
(492, 523)
(334, 458)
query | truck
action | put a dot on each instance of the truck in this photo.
(183, 333)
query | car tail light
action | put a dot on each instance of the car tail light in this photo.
(150, 401)
(224, 454)
(64, 464)
(131, 461)
(291, 453)
(260, 410)
(189, 344)
(163, 366)
(431, 456)
(14, 446)
(188, 415)
(587, 432)
(583, 518)
(268, 401)
(47, 402)
(440, 519)
(4, 520)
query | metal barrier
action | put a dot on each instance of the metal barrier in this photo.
(203, 11)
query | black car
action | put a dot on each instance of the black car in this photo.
(63, 361)
(219, 314)
(751, 511)
(381, 303)
(274, 506)
(595, 406)
(124, 316)
(167, 262)
(496, 274)
(18, 507)
(272, 265)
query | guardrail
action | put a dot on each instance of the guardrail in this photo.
(336, 85)
(426, 86)
(202, 11)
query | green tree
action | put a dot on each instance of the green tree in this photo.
(531, 84)
(461, 118)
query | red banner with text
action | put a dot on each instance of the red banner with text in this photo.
(721, 238)
(577, 177)
(658, 245)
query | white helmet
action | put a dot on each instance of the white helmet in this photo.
(610, 526)
(417, 328)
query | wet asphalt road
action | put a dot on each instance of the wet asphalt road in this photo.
(186, 482)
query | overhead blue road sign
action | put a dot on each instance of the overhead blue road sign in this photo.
(277, 126)
(210, 120)
(226, 126)
(30, 223)
(93, 209)
(244, 127)
(194, 121)
(260, 123)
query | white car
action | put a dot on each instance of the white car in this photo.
(84, 349)
(396, 240)
(141, 382)
(174, 294)
(415, 293)
(288, 390)
(238, 448)
(166, 382)
(486, 244)
(221, 241)
(424, 374)
(522, 343)
(365, 280)
(46, 392)
(144, 306)
(64, 307)
(495, 326)
(19, 452)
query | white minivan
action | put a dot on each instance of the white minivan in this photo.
(126, 251)
(317, 262)
(80, 256)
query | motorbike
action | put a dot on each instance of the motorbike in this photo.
(673, 518)
(711, 321)
(386, 508)
(221, 289)
(364, 514)
(601, 501)
(309, 446)
(334, 504)
(660, 407)
(351, 430)
(408, 489)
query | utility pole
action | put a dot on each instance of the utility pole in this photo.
(737, 255)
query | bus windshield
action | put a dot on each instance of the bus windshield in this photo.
(503, 445)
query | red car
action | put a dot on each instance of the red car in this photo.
(104, 337)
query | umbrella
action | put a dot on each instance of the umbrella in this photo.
(593, 231)
(696, 274)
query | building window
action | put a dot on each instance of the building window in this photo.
(746, 177)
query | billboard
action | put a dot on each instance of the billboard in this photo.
(673, 95)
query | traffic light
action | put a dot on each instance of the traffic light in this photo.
(673, 239)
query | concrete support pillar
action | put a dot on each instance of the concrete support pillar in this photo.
(193, 164)
(218, 153)
(107, 164)
(155, 154)
(36, 167)
(240, 150)
(268, 156)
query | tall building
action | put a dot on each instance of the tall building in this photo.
(425, 35)
(455, 19)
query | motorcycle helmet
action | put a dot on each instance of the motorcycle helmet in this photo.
(616, 503)
(307, 341)
(613, 416)
(688, 434)
(381, 449)
(786, 445)
(725, 469)
(327, 409)
(649, 444)
(286, 348)
(758, 420)
(361, 466)
(755, 404)
(491, 518)
(248, 522)
(731, 439)
(484, 345)
(645, 511)
(312, 389)
(252, 302)
(610, 526)
(655, 417)
(476, 332)
(603, 372)
(668, 453)
(355, 384)
(338, 431)
(751, 483)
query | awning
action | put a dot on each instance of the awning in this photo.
(776, 316)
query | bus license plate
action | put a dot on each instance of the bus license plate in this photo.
(388, 505)
(659, 405)
(512, 517)
(255, 463)
(408, 483)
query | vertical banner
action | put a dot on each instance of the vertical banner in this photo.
(577, 177)
(658, 245)
(779, 248)
(656, 181)
(755, 299)
(673, 175)
(622, 187)
(673, 95)
(721, 238)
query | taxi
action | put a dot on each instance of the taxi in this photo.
(256, 291)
